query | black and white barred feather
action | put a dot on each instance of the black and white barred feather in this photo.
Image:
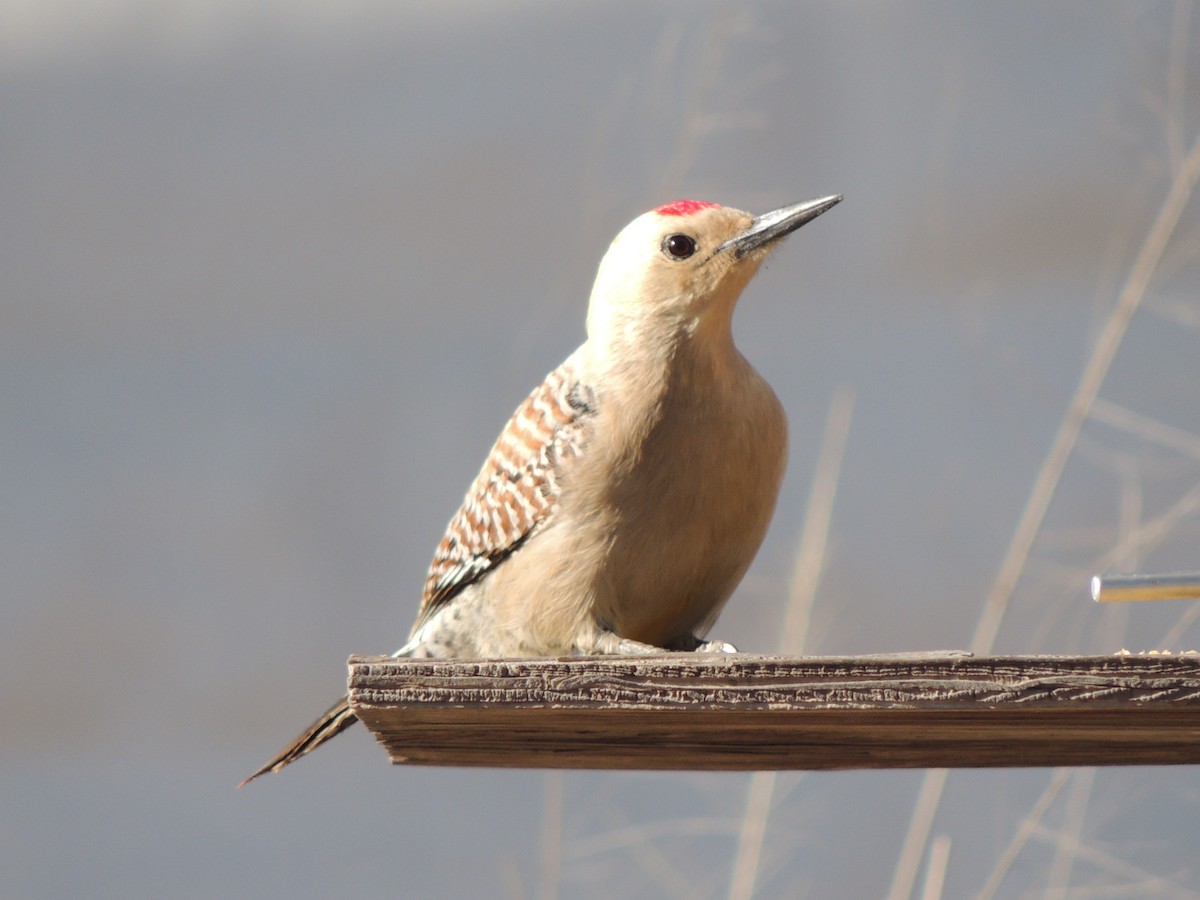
(516, 492)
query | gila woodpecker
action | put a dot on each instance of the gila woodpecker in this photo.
(627, 495)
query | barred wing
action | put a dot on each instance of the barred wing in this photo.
(516, 491)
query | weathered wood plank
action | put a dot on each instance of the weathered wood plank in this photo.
(742, 712)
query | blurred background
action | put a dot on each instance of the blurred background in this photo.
(275, 274)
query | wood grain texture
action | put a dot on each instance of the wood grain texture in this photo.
(743, 712)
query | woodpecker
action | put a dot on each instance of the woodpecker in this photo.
(627, 495)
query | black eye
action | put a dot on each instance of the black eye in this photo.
(679, 246)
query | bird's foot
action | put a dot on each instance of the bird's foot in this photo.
(694, 644)
(608, 643)
(716, 647)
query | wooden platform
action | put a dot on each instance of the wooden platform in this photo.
(744, 712)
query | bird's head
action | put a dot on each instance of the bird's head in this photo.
(679, 269)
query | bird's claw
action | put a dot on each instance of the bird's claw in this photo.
(716, 647)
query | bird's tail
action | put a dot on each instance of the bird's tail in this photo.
(330, 724)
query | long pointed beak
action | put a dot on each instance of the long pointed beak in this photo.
(776, 224)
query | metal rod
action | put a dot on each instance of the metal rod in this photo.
(1169, 586)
